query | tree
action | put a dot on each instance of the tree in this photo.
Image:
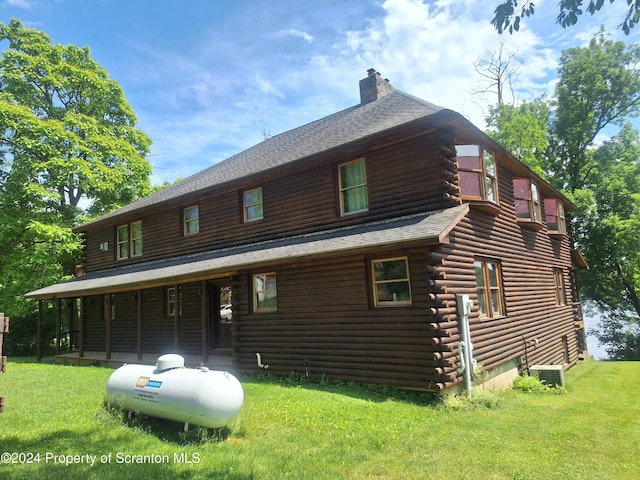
(508, 14)
(69, 150)
(522, 130)
(598, 86)
(609, 236)
(499, 71)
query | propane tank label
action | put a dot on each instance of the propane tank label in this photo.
(147, 382)
(147, 390)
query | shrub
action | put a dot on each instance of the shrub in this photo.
(479, 399)
(529, 384)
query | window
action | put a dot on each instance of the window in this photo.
(136, 238)
(477, 169)
(123, 241)
(391, 286)
(353, 187)
(253, 208)
(191, 220)
(558, 280)
(527, 200)
(554, 215)
(265, 295)
(489, 288)
(129, 240)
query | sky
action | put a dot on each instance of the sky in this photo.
(210, 78)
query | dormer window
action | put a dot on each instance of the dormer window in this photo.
(527, 203)
(554, 215)
(478, 177)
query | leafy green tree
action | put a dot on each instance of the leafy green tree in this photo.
(609, 236)
(69, 150)
(508, 14)
(522, 130)
(598, 87)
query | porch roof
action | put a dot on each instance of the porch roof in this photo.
(432, 227)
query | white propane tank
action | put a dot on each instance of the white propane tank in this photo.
(198, 396)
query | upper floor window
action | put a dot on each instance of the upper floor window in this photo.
(489, 288)
(265, 294)
(554, 213)
(191, 220)
(478, 176)
(527, 200)
(353, 187)
(129, 240)
(391, 285)
(252, 205)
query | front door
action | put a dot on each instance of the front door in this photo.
(221, 318)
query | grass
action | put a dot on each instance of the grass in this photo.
(292, 429)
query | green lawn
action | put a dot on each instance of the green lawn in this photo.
(296, 430)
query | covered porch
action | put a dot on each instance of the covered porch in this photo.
(215, 362)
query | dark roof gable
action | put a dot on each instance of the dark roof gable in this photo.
(389, 111)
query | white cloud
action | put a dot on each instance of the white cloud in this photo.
(303, 35)
(266, 87)
(429, 50)
(218, 98)
(25, 4)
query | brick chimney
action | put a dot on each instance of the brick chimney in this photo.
(373, 87)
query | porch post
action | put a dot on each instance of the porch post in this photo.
(107, 308)
(58, 323)
(176, 318)
(139, 336)
(204, 297)
(81, 319)
(39, 332)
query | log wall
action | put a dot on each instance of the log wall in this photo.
(326, 323)
(403, 178)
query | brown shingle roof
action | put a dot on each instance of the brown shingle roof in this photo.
(355, 123)
(431, 227)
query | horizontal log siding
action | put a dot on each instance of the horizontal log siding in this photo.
(123, 336)
(403, 178)
(157, 326)
(190, 323)
(527, 260)
(325, 325)
(95, 328)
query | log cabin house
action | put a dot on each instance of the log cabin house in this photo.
(339, 248)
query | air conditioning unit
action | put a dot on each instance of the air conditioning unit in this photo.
(552, 375)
